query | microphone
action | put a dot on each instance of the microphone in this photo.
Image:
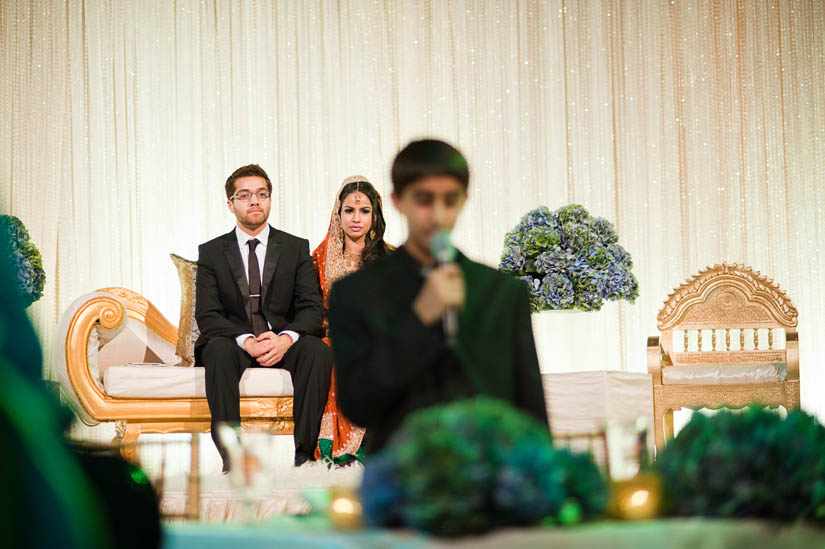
(444, 253)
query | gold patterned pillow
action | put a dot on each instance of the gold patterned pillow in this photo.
(188, 331)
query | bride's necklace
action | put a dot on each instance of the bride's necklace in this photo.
(352, 259)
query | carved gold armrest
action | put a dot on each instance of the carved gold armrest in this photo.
(107, 313)
(103, 311)
(140, 309)
(654, 359)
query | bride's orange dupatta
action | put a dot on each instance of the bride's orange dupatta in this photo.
(328, 259)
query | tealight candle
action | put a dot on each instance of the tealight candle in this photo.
(638, 498)
(345, 508)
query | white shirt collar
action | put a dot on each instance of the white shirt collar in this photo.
(243, 237)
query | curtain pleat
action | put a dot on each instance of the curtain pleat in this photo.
(697, 127)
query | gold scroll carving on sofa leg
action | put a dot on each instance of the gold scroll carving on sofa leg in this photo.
(126, 436)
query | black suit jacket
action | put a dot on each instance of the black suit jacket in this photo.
(290, 293)
(388, 364)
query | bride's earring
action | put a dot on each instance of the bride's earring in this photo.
(372, 233)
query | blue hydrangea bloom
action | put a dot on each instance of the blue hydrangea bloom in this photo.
(470, 466)
(381, 494)
(552, 261)
(569, 259)
(557, 290)
(530, 483)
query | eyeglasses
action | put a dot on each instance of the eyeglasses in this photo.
(244, 196)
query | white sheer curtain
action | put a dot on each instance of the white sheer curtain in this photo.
(697, 127)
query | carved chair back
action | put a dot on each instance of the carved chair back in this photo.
(727, 314)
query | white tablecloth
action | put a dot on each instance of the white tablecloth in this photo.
(584, 402)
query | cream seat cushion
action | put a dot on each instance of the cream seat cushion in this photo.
(169, 381)
(724, 374)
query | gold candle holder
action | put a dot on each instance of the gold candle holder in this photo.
(345, 510)
(637, 498)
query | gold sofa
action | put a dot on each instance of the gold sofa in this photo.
(118, 331)
(710, 352)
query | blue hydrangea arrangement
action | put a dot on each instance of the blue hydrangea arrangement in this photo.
(569, 260)
(474, 465)
(25, 259)
(749, 463)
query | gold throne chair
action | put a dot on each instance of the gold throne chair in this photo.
(727, 339)
(116, 362)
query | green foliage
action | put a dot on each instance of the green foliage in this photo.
(24, 258)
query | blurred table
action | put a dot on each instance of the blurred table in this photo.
(672, 533)
(584, 402)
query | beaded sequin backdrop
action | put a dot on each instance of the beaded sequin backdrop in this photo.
(698, 127)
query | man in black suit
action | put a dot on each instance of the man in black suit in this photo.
(258, 304)
(387, 320)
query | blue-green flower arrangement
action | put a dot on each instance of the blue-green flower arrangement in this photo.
(474, 465)
(25, 259)
(569, 260)
(751, 463)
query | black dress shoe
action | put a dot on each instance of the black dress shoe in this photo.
(301, 458)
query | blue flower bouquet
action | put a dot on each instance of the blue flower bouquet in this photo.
(748, 463)
(25, 259)
(474, 465)
(569, 260)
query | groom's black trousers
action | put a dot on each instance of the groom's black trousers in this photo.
(309, 361)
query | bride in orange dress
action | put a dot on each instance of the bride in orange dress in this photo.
(355, 238)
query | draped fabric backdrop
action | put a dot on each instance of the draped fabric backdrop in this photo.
(697, 127)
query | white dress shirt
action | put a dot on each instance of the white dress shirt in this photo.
(260, 253)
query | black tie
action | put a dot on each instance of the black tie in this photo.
(259, 325)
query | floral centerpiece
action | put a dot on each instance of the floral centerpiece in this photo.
(750, 463)
(473, 465)
(25, 259)
(569, 260)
